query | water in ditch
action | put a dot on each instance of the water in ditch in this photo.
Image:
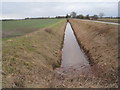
(74, 61)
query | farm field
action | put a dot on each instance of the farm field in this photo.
(29, 60)
(21, 27)
(109, 20)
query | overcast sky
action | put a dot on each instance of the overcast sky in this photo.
(37, 9)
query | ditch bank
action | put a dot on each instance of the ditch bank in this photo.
(75, 70)
(29, 60)
(100, 43)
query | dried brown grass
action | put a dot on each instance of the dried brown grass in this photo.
(100, 43)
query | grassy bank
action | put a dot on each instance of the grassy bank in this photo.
(29, 60)
(22, 27)
(100, 43)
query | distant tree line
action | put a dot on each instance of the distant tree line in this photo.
(80, 16)
(11, 19)
(71, 15)
(93, 17)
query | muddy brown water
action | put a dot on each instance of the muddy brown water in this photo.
(74, 61)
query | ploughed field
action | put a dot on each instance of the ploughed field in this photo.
(109, 20)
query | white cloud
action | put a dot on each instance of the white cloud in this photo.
(10, 16)
(60, 0)
(30, 9)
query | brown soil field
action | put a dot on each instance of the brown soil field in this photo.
(109, 20)
(100, 43)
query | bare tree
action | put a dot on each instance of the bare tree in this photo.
(94, 17)
(73, 14)
(80, 16)
(101, 15)
(67, 16)
(87, 17)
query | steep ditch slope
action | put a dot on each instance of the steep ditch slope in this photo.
(100, 42)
